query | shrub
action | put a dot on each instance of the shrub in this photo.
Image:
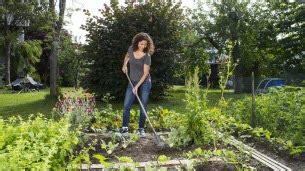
(110, 36)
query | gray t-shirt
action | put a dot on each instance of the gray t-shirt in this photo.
(137, 65)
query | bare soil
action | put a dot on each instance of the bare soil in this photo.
(295, 163)
(146, 149)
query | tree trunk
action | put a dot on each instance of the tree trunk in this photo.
(57, 26)
(238, 80)
(7, 54)
(53, 66)
(236, 52)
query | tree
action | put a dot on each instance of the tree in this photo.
(57, 23)
(223, 23)
(71, 61)
(268, 37)
(194, 53)
(41, 29)
(15, 16)
(110, 36)
(290, 19)
(28, 54)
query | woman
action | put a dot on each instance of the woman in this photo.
(138, 56)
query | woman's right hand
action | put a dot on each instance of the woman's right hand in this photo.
(124, 69)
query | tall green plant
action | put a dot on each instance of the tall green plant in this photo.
(194, 127)
(227, 69)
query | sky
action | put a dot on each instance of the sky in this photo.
(78, 18)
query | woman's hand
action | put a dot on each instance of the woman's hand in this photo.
(124, 69)
(135, 90)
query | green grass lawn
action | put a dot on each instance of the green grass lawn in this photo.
(175, 100)
(24, 104)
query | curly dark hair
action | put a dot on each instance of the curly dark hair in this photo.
(150, 48)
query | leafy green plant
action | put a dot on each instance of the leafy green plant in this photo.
(227, 68)
(158, 117)
(110, 147)
(133, 137)
(83, 156)
(280, 114)
(226, 155)
(102, 160)
(163, 158)
(125, 159)
(37, 143)
(194, 126)
(107, 117)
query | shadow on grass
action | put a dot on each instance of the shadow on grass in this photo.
(24, 110)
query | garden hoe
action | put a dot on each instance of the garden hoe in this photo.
(160, 143)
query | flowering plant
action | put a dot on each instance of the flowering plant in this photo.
(79, 108)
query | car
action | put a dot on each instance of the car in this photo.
(269, 82)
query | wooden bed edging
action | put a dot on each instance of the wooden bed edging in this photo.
(170, 163)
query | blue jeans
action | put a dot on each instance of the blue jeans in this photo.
(144, 91)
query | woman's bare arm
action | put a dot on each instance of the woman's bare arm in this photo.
(126, 59)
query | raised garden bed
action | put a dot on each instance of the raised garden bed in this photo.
(145, 153)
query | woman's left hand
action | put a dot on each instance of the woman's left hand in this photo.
(135, 90)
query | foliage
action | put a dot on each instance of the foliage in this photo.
(102, 160)
(163, 158)
(289, 26)
(281, 112)
(79, 110)
(194, 53)
(107, 117)
(133, 137)
(27, 56)
(227, 69)
(194, 125)
(70, 63)
(237, 159)
(158, 117)
(40, 29)
(36, 143)
(221, 24)
(110, 147)
(14, 16)
(268, 36)
(110, 36)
